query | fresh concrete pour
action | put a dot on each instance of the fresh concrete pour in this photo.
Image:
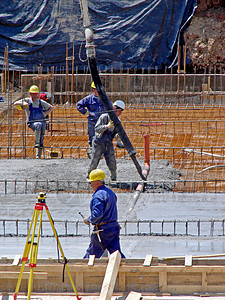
(65, 206)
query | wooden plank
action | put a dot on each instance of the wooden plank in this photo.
(122, 281)
(188, 261)
(204, 282)
(26, 275)
(79, 281)
(163, 281)
(91, 260)
(195, 256)
(110, 276)
(148, 260)
(16, 260)
(133, 296)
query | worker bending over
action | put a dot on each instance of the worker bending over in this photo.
(36, 111)
(103, 216)
(103, 141)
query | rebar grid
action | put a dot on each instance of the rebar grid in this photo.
(65, 228)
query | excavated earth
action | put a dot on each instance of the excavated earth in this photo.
(205, 36)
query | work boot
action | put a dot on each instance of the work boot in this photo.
(89, 152)
(113, 176)
(119, 144)
(38, 153)
(37, 138)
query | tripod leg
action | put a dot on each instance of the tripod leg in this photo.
(33, 252)
(25, 257)
(61, 251)
(32, 265)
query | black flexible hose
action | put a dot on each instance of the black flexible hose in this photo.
(108, 106)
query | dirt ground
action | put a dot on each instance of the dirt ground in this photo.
(205, 37)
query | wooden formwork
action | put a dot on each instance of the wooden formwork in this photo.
(183, 276)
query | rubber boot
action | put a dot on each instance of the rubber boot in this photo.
(89, 152)
(37, 138)
(38, 153)
(119, 143)
(113, 175)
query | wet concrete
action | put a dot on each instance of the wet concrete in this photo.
(150, 206)
(167, 206)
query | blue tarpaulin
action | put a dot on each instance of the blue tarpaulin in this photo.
(128, 33)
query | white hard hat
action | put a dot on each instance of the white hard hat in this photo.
(120, 104)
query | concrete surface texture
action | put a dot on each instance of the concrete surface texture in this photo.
(65, 206)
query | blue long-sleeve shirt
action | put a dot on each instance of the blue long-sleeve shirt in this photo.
(91, 104)
(103, 207)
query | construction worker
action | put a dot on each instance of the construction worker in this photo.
(94, 106)
(102, 142)
(36, 111)
(103, 216)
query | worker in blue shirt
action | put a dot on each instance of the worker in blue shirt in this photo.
(103, 216)
(94, 106)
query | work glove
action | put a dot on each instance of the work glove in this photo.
(110, 124)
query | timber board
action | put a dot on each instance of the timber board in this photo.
(162, 276)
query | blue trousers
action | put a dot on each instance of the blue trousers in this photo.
(110, 240)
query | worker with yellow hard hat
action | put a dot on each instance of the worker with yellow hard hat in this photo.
(36, 110)
(94, 106)
(103, 216)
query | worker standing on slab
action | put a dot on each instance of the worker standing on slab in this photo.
(94, 106)
(103, 141)
(36, 111)
(103, 216)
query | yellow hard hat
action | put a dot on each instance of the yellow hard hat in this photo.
(33, 89)
(96, 174)
(93, 85)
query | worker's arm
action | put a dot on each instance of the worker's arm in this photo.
(103, 123)
(81, 105)
(20, 104)
(97, 208)
(49, 110)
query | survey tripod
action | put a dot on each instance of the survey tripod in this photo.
(31, 247)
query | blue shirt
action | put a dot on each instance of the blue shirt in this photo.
(91, 104)
(103, 207)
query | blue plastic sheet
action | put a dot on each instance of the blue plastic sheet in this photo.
(128, 34)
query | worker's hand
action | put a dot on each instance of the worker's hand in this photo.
(25, 105)
(19, 107)
(110, 124)
(85, 221)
